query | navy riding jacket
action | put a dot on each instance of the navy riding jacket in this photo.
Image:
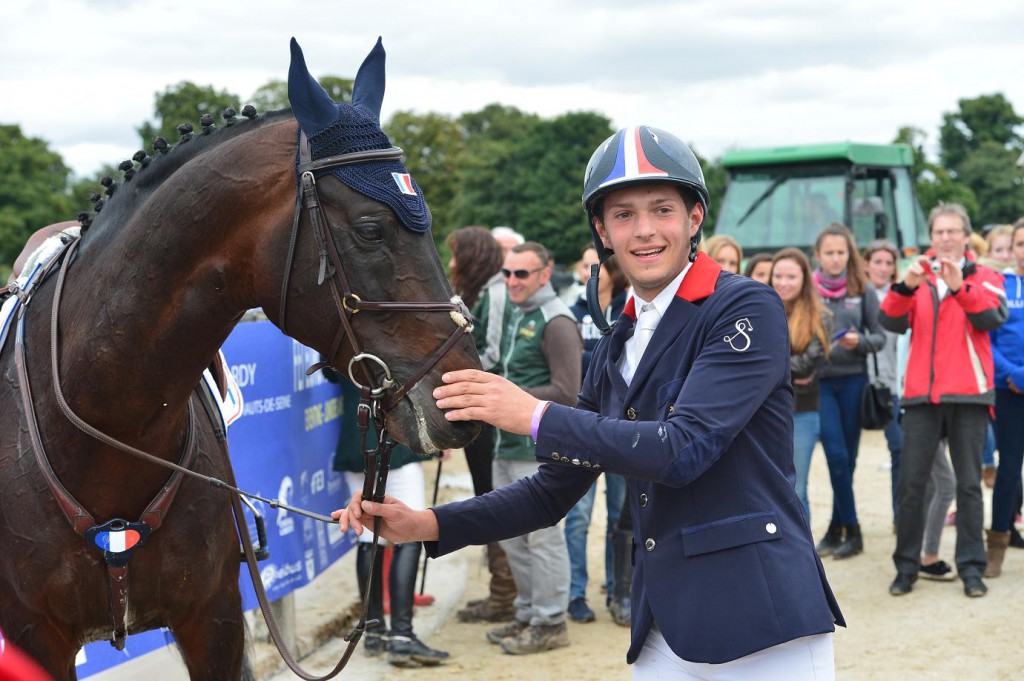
(724, 561)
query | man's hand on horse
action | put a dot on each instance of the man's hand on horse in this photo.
(472, 395)
(399, 523)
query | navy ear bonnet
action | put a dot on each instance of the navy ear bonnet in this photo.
(333, 129)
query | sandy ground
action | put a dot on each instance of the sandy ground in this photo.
(933, 633)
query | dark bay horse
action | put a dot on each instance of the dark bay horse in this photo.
(221, 222)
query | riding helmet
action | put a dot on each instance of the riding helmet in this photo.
(635, 155)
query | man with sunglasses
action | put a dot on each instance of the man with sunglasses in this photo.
(690, 399)
(540, 352)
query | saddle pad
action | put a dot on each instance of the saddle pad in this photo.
(31, 276)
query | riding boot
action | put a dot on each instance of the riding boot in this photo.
(852, 544)
(831, 541)
(503, 587)
(404, 649)
(498, 606)
(622, 554)
(373, 638)
(997, 543)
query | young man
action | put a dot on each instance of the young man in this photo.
(690, 399)
(950, 304)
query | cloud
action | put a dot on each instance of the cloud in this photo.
(720, 73)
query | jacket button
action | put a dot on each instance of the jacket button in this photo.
(631, 414)
(564, 459)
(586, 464)
(771, 528)
(554, 455)
(649, 544)
(575, 462)
(643, 501)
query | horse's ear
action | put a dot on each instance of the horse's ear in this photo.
(368, 87)
(313, 107)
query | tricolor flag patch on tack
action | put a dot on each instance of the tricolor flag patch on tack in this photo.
(404, 182)
(117, 541)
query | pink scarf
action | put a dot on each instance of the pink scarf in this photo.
(832, 288)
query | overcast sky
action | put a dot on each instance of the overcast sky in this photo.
(718, 73)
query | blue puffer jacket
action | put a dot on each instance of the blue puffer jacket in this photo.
(1008, 339)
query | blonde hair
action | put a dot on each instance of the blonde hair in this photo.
(719, 241)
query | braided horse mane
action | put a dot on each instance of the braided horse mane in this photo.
(144, 173)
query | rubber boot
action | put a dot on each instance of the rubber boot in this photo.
(831, 541)
(852, 544)
(622, 553)
(997, 543)
(404, 649)
(373, 638)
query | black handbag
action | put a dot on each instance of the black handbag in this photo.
(875, 403)
(876, 398)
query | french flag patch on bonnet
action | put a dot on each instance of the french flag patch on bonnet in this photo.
(404, 182)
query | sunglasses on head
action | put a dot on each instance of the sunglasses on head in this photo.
(519, 274)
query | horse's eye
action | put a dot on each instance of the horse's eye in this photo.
(369, 231)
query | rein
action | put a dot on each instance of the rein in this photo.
(375, 403)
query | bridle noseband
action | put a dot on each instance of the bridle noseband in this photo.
(347, 303)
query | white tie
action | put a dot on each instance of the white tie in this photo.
(646, 323)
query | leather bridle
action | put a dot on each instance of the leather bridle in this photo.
(348, 303)
(375, 401)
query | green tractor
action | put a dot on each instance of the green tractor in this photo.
(784, 196)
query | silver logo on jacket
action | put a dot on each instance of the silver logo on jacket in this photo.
(735, 341)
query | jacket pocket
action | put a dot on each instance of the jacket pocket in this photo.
(729, 533)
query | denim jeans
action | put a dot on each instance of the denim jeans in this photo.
(894, 439)
(577, 524)
(988, 455)
(840, 438)
(806, 431)
(1010, 436)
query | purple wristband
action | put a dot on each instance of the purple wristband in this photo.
(538, 412)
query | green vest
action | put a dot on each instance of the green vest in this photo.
(523, 363)
(489, 315)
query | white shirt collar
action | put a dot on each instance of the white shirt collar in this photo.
(663, 299)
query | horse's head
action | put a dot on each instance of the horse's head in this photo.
(362, 274)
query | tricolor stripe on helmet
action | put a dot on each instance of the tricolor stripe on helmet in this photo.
(631, 161)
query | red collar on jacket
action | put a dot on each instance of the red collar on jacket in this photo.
(698, 284)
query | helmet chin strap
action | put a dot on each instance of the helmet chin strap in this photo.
(594, 303)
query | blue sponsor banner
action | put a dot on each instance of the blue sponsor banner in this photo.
(282, 448)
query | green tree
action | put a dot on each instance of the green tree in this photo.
(184, 102)
(273, 95)
(933, 182)
(714, 179)
(33, 189)
(548, 182)
(433, 144)
(980, 147)
(486, 177)
(270, 96)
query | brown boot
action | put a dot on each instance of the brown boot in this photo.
(503, 586)
(498, 606)
(997, 543)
